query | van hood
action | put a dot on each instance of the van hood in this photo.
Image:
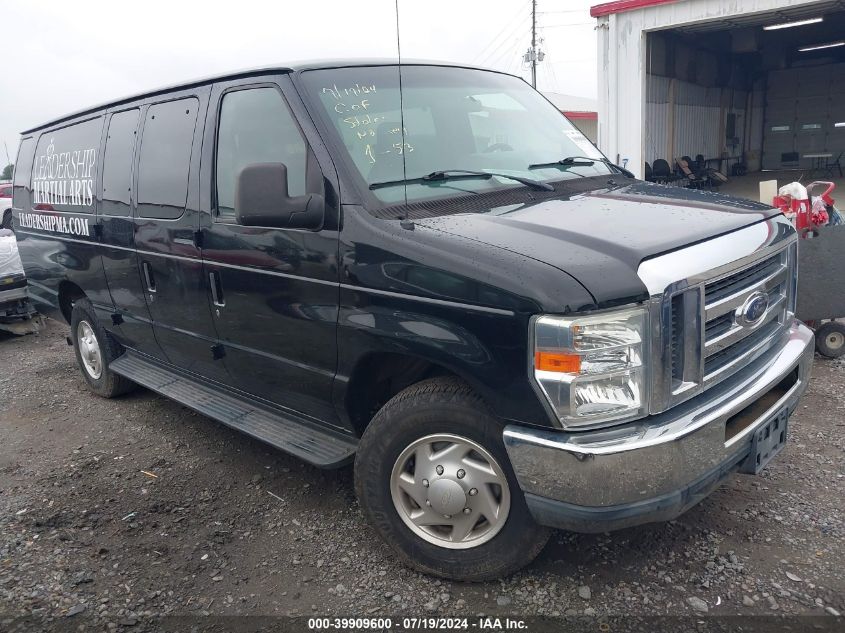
(599, 237)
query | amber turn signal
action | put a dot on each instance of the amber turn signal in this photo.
(555, 361)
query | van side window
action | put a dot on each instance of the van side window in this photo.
(117, 167)
(65, 168)
(256, 127)
(23, 172)
(165, 160)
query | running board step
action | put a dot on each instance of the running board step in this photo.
(316, 446)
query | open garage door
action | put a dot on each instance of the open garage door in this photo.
(748, 92)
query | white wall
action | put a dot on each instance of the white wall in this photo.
(683, 118)
(622, 76)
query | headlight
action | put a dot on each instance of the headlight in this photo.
(591, 369)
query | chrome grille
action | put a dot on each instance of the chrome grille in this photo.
(707, 340)
(718, 326)
(696, 340)
(729, 356)
(676, 354)
(738, 281)
(727, 341)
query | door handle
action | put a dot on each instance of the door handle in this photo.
(216, 289)
(149, 278)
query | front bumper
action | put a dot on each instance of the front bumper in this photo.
(656, 468)
(15, 294)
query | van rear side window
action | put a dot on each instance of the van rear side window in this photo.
(117, 168)
(23, 172)
(165, 160)
(65, 167)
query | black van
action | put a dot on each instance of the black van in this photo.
(428, 270)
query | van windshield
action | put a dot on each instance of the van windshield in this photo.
(446, 119)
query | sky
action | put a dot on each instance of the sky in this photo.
(66, 56)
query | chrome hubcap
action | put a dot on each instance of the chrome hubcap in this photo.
(450, 491)
(89, 350)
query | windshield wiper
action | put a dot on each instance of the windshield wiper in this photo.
(582, 161)
(569, 161)
(462, 174)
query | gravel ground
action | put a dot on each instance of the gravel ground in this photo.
(112, 511)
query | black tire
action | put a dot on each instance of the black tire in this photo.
(830, 339)
(441, 405)
(7, 220)
(107, 384)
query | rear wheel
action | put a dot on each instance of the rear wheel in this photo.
(7, 219)
(95, 349)
(433, 477)
(830, 339)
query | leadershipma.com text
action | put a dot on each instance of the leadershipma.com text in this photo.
(55, 223)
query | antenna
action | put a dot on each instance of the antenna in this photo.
(8, 160)
(401, 113)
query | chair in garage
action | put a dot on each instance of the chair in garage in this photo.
(829, 167)
(661, 172)
(697, 167)
(715, 177)
(701, 170)
(694, 180)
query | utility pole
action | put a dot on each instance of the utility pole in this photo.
(534, 43)
(533, 56)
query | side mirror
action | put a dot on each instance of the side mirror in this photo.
(261, 199)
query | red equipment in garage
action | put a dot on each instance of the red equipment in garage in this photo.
(821, 267)
(807, 212)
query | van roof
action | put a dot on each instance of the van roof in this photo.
(246, 72)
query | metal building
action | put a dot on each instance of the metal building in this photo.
(754, 83)
(581, 111)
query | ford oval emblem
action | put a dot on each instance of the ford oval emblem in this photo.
(753, 310)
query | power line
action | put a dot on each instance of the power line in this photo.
(513, 64)
(555, 80)
(508, 24)
(578, 60)
(556, 26)
(510, 48)
(514, 29)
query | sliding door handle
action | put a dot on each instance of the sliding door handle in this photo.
(216, 289)
(149, 278)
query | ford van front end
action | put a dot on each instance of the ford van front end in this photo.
(657, 404)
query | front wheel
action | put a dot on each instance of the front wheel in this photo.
(433, 477)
